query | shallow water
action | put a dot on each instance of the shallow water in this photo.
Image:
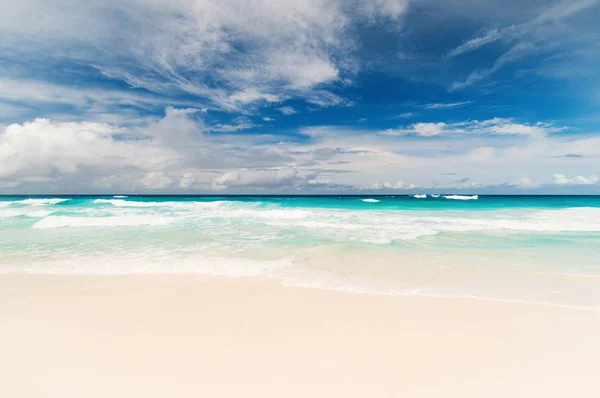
(531, 248)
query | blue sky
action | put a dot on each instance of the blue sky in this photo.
(319, 96)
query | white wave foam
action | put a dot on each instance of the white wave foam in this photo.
(178, 205)
(120, 196)
(41, 202)
(28, 212)
(232, 220)
(147, 262)
(420, 196)
(370, 200)
(33, 202)
(127, 203)
(435, 196)
(462, 197)
(114, 221)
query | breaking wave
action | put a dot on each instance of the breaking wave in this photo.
(33, 202)
(462, 197)
(424, 246)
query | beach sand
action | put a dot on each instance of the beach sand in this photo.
(195, 336)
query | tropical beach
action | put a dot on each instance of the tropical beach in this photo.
(316, 198)
(420, 296)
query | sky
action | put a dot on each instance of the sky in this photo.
(300, 97)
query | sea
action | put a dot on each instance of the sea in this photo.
(542, 249)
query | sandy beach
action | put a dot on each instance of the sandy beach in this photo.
(190, 336)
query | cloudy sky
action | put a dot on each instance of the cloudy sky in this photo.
(312, 96)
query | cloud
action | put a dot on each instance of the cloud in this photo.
(375, 9)
(172, 154)
(252, 94)
(398, 185)
(256, 178)
(240, 123)
(524, 182)
(231, 53)
(519, 183)
(30, 92)
(428, 129)
(563, 179)
(515, 53)
(167, 154)
(535, 36)
(448, 105)
(564, 9)
(9, 110)
(554, 13)
(495, 126)
(318, 181)
(462, 185)
(50, 151)
(287, 110)
(326, 99)
(489, 37)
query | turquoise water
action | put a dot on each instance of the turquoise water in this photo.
(530, 248)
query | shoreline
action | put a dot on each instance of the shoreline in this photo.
(181, 335)
(283, 283)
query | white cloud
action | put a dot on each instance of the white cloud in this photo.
(564, 9)
(554, 13)
(54, 150)
(489, 37)
(563, 179)
(157, 180)
(171, 154)
(399, 185)
(319, 181)
(525, 182)
(374, 9)
(429, 129)
(255, 178)
(519, 183)
(255, 51)
(526, 38)
(325, 99)
(515, 53)
(240, 123)
(252, 94)
(303, 70)
(448, 105)
(287, 110)
(33, 91)
(495, 126)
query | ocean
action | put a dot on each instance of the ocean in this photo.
(543, 249)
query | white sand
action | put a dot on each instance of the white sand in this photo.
(192, 336)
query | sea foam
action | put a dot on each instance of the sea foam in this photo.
(113, 221)
(462, 197)
(33, 202)
(326, 242)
